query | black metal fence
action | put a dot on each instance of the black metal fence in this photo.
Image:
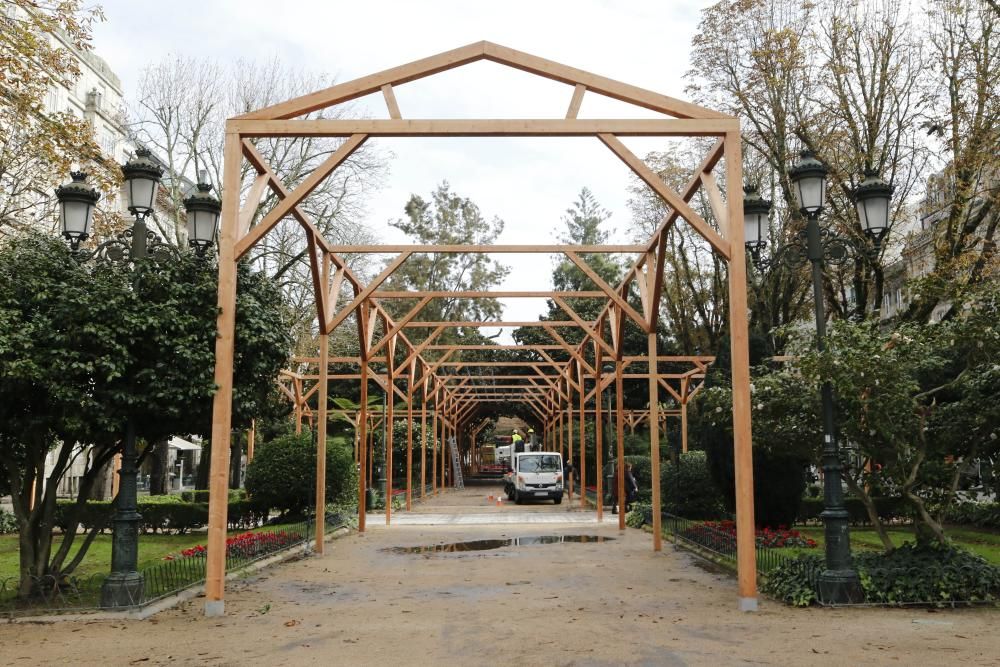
(49, 594)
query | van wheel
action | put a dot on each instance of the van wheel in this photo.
(557, 500)
(517, 498)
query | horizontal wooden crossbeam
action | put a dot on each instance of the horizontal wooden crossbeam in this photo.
(462, 127)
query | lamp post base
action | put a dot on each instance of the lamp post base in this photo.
(122, 589)
(840, 587)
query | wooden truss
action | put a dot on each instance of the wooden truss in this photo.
(555, 391)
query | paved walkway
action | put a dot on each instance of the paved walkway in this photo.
(563, 603)
(483, 503)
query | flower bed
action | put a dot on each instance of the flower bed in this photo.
(247, 545)
(721, 536)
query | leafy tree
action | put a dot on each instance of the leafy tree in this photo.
(785, 434)
(687, 488)
(449, 219)
(918, 402)
(38, 148)
(283, 472)
(694, 305)
(84, 347)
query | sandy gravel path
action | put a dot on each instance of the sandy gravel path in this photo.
(609, 603)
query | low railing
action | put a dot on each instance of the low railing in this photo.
(174, 574)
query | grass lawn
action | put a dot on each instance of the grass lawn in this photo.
(152, 549)
(981, 542)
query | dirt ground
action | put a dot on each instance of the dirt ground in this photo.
(610, 603)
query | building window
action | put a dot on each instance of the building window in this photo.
(109, 142)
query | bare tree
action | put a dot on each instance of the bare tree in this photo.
(844, 79)
(181, 110)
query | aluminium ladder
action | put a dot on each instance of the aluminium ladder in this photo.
(455, 465)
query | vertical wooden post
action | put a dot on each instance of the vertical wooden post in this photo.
(583, 440)
(298, 408)
(324, 372)
(620, 468)
(598, 434)
(390, 399)
(654, 436)
(569, 434)
(222, 402)
(409, 440)
(684, 415)
(251, 439)
(434, 444)
(746, 555)
(363, 438)
(423, 444)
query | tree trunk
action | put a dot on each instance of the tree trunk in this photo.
(159, 476)
(873, 516)
(201, 476)
(235, 460)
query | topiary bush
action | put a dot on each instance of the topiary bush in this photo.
(283, 473)
(687, 488)
(8, 523)
(932, 574)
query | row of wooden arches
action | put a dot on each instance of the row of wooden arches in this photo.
(552, 388)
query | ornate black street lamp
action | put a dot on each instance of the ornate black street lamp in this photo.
(202, 217)
(839, 582)
(124, 586)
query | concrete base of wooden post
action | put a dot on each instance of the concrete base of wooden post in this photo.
(748, 604)
(215, 608)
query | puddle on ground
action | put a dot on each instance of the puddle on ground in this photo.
(486, 545)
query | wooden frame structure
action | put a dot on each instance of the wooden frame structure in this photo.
(553, 390)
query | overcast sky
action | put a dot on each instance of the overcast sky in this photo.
(528, 183)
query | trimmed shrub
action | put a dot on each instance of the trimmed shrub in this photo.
(888, 510)
(201, 495)
(161, 514)
(283, 473)
(8, 523)
(687, 488)
(934, 574)
(980, 515)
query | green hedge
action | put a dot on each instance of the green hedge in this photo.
(162, 514)
(201, 495)
(687, 488)
(980, 515)
(888, 509)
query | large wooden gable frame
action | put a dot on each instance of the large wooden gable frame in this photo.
(554, 385)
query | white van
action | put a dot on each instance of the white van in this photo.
(535, 476)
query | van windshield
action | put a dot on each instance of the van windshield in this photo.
(541, 463)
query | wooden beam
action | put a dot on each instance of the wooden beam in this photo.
(484, 127)
(607, 290)
(390, 101)
(672, 199)
(746, 553)
(397, 327)
(252, 202)
(594, 335)
(222, 401)
(576, 101)
(599, 84)
(295, 197)
(507, 249)
(351, 90)
(463, 294)
(716, 202)
(366, 292)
